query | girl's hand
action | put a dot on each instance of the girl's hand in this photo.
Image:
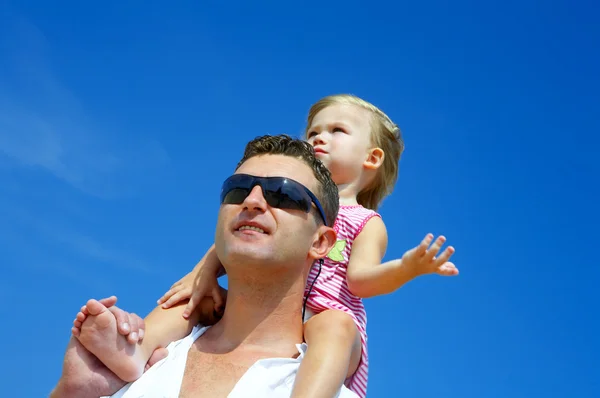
(199, 283)
(424, 259)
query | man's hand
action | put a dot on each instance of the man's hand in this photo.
(83, 375)
(422, 260)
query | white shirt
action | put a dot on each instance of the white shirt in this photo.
(267, 378)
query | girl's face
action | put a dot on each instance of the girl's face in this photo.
(341, 136)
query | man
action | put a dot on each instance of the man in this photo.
(269, 232)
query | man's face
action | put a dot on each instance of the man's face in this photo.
(254, 233)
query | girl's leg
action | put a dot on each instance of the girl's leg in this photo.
(333, 355)
(100, 336)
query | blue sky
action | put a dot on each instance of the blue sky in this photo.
(119, 122)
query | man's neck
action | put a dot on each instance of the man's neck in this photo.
(261, 314)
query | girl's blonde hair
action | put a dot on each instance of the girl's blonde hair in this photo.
(385, 134)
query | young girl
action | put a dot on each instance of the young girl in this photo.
(361, 147)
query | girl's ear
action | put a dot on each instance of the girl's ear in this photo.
(323, 243)
(374, 159)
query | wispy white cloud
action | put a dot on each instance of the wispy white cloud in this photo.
(44, 126)
(60, 234)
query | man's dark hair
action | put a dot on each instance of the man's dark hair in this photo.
(327, 191)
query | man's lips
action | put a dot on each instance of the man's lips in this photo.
(251, 226)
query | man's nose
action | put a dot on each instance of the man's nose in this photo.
(255, 200)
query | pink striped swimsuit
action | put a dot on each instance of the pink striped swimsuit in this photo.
(330, 290)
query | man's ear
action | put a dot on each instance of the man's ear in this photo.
(324, 241)
(374, 159)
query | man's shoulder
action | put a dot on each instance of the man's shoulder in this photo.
(270, 377)
(196, 332)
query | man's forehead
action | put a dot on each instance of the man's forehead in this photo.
(279, 166)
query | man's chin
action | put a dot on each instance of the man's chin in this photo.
(249, 254)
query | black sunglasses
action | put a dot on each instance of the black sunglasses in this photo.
(279, 192)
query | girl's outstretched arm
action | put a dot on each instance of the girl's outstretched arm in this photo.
(368, 277)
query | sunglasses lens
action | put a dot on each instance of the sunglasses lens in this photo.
(235, 189)
(286, 194)
(283, 201)
(279, 192)
(235, 196)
